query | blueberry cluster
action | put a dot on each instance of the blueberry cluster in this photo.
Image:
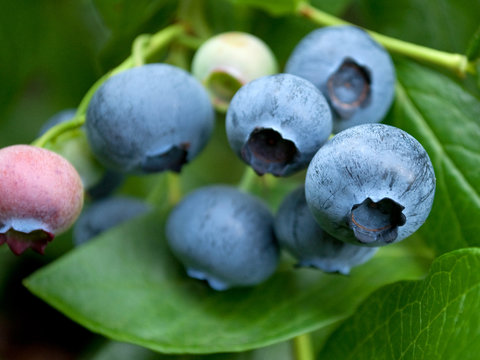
(367, 186)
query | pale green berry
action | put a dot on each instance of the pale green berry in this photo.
(228, 61)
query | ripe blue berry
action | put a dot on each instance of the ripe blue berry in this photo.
(354, 72)
(105, 214)
(148, 119)
(223, 236)
(276, 123)
(300, 234)
(229, 60)
(371, 185)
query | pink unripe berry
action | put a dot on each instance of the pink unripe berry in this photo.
(41, 195)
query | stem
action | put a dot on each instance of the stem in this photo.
(455, 62)
(192, 42)
(59, 129)
(138, 49)
(248, 179)
(162, 38)
(302, 347)
(167, 192)
(174, 188)
(145, 46)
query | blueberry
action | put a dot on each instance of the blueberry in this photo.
(97, 181)
(41, 195)
(353, 71)
(105, 214)
(372, 184)
(299, 233)
(229, 60)
(223, 236)
(147, 119)
(276, 123)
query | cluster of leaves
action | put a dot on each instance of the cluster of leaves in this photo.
(416, 299)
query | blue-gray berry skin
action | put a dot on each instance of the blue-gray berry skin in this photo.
(148, 119)
(223, 236)
(299, 233)
(276, 123)
(372, 184)
(105, 214)
(353, 71)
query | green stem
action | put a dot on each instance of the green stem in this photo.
(167, 191)
(192, 42)
(248, 179)
(150, 46)
(138, 49)
(302, 347)
(174, 188)
(455, 62)
(59, 129)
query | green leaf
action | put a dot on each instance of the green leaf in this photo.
(436, 318)
(446, 120)
(274, 7)
(127, 286)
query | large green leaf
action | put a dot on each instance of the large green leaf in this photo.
(446, 120)
(127, 286)
(436, 318)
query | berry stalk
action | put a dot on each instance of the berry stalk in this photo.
(457, 63)
(59, 129)
(303, 348)
(248, 179)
